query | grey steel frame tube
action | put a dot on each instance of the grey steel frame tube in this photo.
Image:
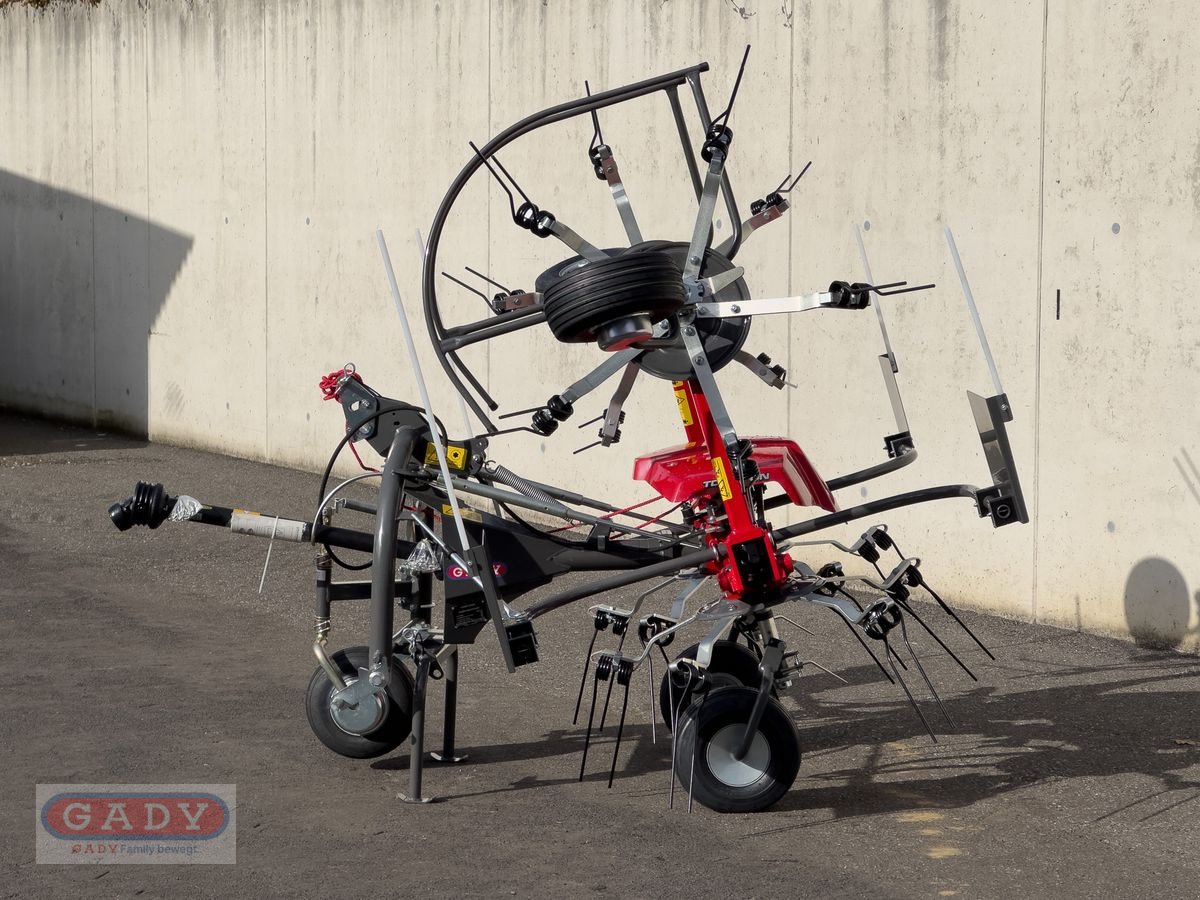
(383, 560)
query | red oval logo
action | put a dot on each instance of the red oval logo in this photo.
(132, 816)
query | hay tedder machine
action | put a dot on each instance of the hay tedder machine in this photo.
(677, 311)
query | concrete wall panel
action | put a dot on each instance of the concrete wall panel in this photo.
(46, 293)
(207, 177)
(1119, 362)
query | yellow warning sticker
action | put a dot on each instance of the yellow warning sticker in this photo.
(456, 456)
(471, 515)
(718, 465)
(681, 400)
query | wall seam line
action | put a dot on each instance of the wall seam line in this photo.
(149, 259)
(92, 162)
(1037, 356)
(266, 260)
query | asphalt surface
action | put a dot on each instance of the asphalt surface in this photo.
(149, 657)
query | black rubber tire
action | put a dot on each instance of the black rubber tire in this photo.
(586, 299)
(721, 716)
(733, 665)
(397, 722)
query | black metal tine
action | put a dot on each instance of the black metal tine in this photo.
(520, 412)
(907, 290)
(912, 612)
(696, 744)
(723, 116)
(867, 647)
(490, 281)
(515, 184)
(587, 740)
(512, 204)
(591, 421)
(597, 137)
(891, 657)
(921, 669)
(961, 624)
(880, 288)
(653, 717)
(586, 447)
(479, 294)
(620, 729)
(674, 730)
(607, 697)
(587, 667)
(787, 190)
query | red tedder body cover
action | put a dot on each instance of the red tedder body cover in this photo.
(679, 473)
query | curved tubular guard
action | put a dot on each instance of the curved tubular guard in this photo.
(446, 341)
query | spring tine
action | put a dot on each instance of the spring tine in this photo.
(674, 733)
(695, 750)
(921, 669)
(587, 665)
(962, 665)
(891, 658)
(858, 637)
(587, 740)
(607, 697)
(620, 729)
(653, 717)
(692, 774)
(950, 612)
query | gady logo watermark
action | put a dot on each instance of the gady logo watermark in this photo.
(136, 823)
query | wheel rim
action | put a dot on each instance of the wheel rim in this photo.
(356, 721)
(733, 772)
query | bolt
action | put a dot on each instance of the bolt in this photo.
(689, 331)
(699, 360)
(735, 308)
(695, 260)
(376, 678)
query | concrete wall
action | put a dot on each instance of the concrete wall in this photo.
(188, 193)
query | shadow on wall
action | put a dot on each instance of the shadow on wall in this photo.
(81, 284)
(1158, 607)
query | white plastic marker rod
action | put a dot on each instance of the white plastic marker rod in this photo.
(462, 406)
(887, 343)
(974, 311)
(416, 366)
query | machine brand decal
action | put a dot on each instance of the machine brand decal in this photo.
(681, 400)
(722, 478)
(136, 823)
(456, 456)
(458, 573)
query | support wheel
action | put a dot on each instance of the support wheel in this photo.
(733, 665)
(705, 752)
(337, 730)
